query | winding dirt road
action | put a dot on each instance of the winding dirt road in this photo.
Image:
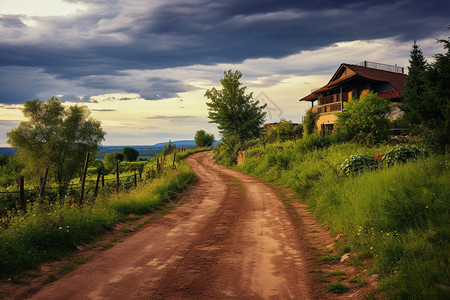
(231, 239)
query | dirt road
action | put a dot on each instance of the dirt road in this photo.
(231, 239)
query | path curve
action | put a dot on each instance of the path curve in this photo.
(231, 239)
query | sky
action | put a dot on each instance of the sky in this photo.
(143, 67)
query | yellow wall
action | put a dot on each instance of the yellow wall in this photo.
(326, 119)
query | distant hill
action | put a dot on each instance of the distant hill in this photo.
(145, 151)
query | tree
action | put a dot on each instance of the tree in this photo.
(130, 154)
(283, 131)
(118, 156)
(236, 114)
(309, 122)
(203, 139)
(55, 136)
(365, 119)
(168, 148)
(109, 162)
(413, 101)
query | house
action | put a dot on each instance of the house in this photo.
(351, 81)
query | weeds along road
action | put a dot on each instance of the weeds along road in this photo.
(231, 239)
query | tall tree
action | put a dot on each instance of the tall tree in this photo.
(55, 136)
(236, 113)
(414, 101)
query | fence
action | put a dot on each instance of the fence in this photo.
(17, 198)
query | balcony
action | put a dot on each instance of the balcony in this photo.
(327, 108)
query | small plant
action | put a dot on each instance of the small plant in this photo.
(357, 164)
(337, 288)
(401, 154)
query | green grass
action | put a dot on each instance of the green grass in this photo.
(48, 231)
(337, 288)
(397, 217)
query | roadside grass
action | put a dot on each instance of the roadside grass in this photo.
(50, 230)
(398, 217)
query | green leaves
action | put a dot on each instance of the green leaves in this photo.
(235, 112)
(55, 136)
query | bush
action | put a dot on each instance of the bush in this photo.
(357, 164)
(401, 154)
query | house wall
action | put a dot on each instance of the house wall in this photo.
(326, 119)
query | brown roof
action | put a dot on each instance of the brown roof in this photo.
(396, 80)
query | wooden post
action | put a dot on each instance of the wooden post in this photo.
(22, 201)
(117, 177)
(103, 180)
(43, 181)
(174, 156)
(96, 183)
(83, 177)
(135, 178)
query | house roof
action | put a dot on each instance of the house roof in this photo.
(396, 80)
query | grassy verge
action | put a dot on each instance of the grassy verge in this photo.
(48, 231)
(397, 217)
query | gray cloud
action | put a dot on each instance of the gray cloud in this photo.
(87, 52)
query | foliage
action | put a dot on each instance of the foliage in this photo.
(118, 156)
(9, 170)
(130, 154)
(283, 131)
(401, 154)
(55, 136)
(309, 122)
(203, 139)
(237, 115)
(357, 164)
(427, 99)
(414, 95)
(168, 148)
(365, 118)
(49, 230)
(110, 162)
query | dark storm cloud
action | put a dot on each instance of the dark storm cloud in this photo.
(93, 47)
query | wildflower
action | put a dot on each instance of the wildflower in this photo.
(60, 228)
(371, 248)
(426, 206)
(387, 233)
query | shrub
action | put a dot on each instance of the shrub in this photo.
(357, 164)
(401, 154)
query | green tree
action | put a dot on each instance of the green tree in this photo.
(130, 154)
(55, 136)
(168, 148)
(109, 162)
(118, 156)
(236, 114)
(309, 122)
(365, 119)
(283, 131)
(203, 139)
(414, 99)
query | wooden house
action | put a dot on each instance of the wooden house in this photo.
(352, 81)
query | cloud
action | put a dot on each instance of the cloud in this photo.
(103, 110)
(98, 49)
(174, 118)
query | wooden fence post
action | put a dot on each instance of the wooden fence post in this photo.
(117, 176)
(174, 156)
(43, 181)
(103, 180)
(135, 178)
(83, 177)
(96, 183)
(22, 201)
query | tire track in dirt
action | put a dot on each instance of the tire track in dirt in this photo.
(231, 239)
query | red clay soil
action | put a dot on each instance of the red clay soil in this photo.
(231, 239)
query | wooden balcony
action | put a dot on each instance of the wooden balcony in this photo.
(327, 108)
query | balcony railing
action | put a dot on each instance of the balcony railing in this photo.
(329, 108)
